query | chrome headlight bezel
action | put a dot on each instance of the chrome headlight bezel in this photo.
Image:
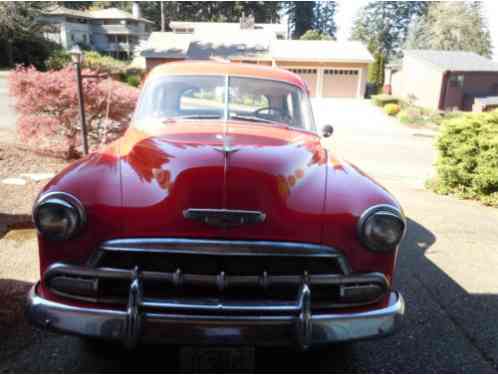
(384, 211)
(72, 208)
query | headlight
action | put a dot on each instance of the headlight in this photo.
(381, 228)
(58, 216)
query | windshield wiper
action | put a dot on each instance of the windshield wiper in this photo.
(252, 118)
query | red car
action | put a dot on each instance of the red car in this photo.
(219, 218)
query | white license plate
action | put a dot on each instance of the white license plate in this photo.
(201, 359)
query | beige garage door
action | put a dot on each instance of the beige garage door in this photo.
(309, 76)
(341, 83)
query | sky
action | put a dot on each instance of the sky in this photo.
(348, 9)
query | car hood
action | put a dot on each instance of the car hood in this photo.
(216, 165)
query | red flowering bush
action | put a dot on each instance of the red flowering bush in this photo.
(47, 105)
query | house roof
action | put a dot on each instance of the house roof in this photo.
(460, 61)
(259, 44)
(207, 44)
(226, 26)
(109, 13)
(114, 13)
(167, 45)
(320, 50)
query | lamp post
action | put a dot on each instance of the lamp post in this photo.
(77, 57)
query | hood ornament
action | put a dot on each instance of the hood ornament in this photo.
(226, 148)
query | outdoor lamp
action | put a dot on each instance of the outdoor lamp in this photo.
(76, 54)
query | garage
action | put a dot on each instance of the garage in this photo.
(340, 83)
(331, 69)
(309, 76)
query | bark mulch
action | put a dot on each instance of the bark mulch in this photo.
(17, 200)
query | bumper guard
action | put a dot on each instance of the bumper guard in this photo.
(297, 325)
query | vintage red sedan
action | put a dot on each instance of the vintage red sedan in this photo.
(219, 218)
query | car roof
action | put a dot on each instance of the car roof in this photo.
(232, 69)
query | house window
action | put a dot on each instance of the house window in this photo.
(346, 72)
(456, 80)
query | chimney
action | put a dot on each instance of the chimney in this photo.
(135, 10)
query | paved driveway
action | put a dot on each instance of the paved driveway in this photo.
(377, 143)
(7, 113)
(447, 273)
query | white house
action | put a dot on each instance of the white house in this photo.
(110, 31)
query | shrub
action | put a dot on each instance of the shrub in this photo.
(411, 116)
(391, 109)
(103, 64)
(58, 59)
(132, 80)
(468, 157)
(27, 50)
(47, 105)
(382, 100)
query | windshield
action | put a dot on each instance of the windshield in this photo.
(177, 98)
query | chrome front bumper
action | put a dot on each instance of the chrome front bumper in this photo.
(132, 325)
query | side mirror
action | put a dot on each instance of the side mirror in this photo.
(327, 131)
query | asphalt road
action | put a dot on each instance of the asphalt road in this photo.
(446, 271)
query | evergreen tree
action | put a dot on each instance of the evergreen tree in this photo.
(376, 71)
(311, 15)
(383, 25)
(451, 26)
(324, 20)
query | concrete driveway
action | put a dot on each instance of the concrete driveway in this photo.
(7, 113)
(377, 143)
(447, 273)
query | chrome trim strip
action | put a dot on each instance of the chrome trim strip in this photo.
(231, 330)
(220, 247)
(224, 218)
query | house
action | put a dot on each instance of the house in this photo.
(110, 31)
(331, 69)
(444, 80)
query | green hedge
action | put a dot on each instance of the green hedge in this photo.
(383, 99)
(468, 157)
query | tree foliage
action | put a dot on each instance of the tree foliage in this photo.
(451, 26)
(315, 35)
(383, 25)
(376, 71)
(47, 105)
(311, 15)
(19, 32)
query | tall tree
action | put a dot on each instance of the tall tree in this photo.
(311, 15)
(325, 18)
(300, 17)
(383, 25)
(451, 26)
(18, 22)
